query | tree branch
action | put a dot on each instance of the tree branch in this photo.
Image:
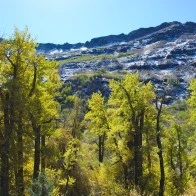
(34, 80)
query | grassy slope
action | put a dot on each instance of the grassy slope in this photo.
(94, 58)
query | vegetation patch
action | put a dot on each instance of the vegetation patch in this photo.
(94, 58)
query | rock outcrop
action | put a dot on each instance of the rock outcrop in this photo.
(165, 55)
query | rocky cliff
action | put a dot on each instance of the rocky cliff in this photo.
(165, 55)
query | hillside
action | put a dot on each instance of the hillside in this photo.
(165, 55)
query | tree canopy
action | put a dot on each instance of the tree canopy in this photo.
(53, 142)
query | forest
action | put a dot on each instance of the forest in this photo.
(54, 142)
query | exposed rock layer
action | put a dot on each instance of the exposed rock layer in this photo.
(165, 55)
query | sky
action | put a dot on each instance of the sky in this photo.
(60, 21)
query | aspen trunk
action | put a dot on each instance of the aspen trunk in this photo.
(4, 191)
(37, 153)
(20, 177)
(160, 149)
(43, 159)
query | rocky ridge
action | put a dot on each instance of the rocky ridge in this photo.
(165, 55)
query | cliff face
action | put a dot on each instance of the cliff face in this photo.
(165, 55)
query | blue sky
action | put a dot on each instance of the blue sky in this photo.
(60, 21)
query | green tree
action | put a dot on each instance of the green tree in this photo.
(159, 107)
(192, 101)
(28, 86)
(131, 100)
(16, 57)
(98, 125)
(42, 109)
